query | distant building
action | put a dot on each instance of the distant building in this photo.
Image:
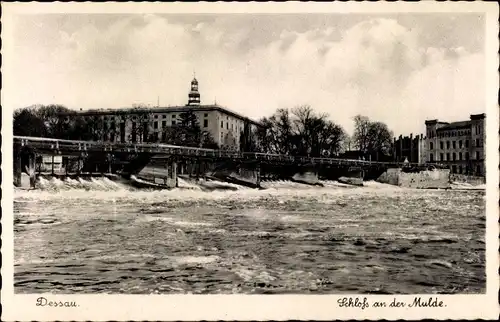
(230, 130)
(409, 148)
(459, 144)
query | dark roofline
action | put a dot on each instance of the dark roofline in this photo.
(478, 116)
(431, 122)
(141, 110)
(455, 125)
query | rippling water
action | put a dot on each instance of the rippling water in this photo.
(103, 237)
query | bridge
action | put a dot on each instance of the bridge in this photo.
(129, 159)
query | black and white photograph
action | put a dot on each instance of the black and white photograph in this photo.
(251, 153)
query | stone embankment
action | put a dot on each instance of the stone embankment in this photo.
(427, 179)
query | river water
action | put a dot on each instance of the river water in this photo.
(100, 236)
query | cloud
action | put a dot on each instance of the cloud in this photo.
(377, 67)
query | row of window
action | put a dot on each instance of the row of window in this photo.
(453, 133)
(173, 122)
(227, 126)
(454, 156)
(454, 144)
(134, 117)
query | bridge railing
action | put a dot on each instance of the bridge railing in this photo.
(160, 148)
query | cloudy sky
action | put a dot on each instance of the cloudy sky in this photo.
(399, 69)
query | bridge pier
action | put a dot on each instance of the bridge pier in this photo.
(18, 168)
(307, 174)
(354, 176)
(109, 161)
(258, 174)
(32, 169)
(197, 169)
(24, 161)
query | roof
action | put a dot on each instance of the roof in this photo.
(171, 109)
(455, 125)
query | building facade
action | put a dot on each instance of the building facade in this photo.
(460, 145)
(230, 130)
(409, 148)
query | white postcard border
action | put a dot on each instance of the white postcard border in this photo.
(253, 307)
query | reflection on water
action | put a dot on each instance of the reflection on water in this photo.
(101, 236)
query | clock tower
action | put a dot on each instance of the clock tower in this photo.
(194, 95)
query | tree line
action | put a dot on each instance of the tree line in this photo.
(299, 131)
(303, 132)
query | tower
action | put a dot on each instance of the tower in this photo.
(431, 143)
(194, 95)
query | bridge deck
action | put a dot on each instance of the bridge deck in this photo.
(164, 150)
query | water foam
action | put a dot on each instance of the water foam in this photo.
(278, 192)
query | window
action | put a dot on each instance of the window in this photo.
(441, 156)
(155, 125)
(467, 156)
(432, 157)
(206, 114)
(448, 157)
(222, 124)
(163, 123)
(448, 144)
(454, 156)
(459, 169)
(477, 142)
(454, 144)
(164, 116)
(441, 145)
(466, 143)
(156, 116)
(460, 156)
(205, 123)
(227, 125)
(163, 136)
(454, 169)
(431, 146)
(173, 122)
(477, 155)
(221, 136)
(460, 144)
(173, 116)
(478, 169)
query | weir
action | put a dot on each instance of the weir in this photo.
(160, 164)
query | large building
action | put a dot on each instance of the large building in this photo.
(459, 144)
(230, 130)
(409, 148)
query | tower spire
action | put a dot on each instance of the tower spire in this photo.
(194, 95)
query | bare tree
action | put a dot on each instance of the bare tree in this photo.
(372, 138)
(302, 132)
